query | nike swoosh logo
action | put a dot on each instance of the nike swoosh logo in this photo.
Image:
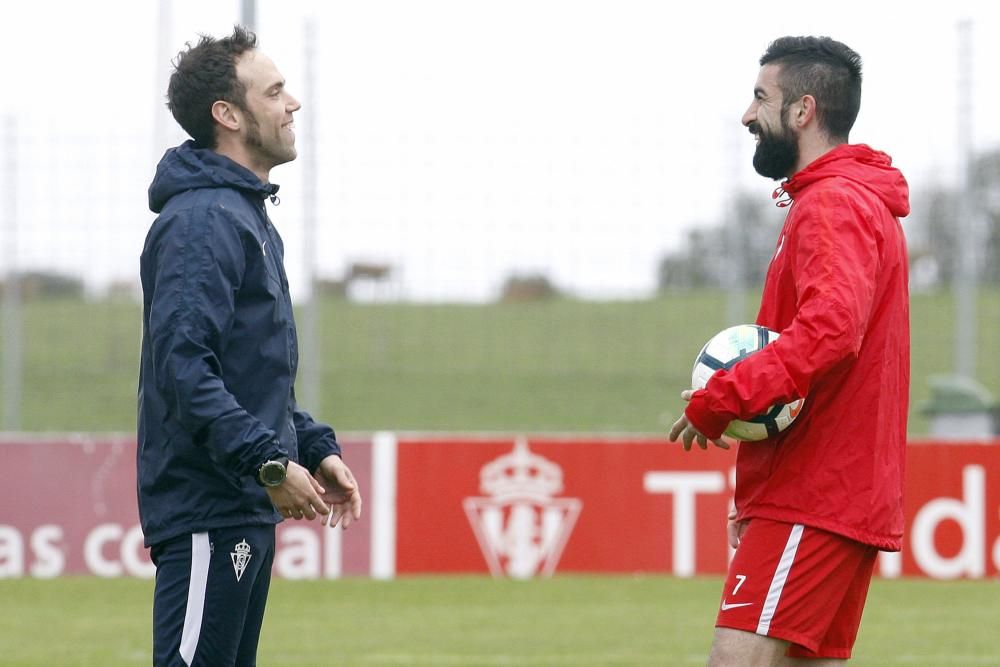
(726, 606)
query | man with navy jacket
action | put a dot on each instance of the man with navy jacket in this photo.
(225, 452)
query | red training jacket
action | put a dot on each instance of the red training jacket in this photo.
(837, 291)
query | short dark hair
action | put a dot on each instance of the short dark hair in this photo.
(824, 68)
(204, 74)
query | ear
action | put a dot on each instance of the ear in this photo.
(804, 111)
(227, 115)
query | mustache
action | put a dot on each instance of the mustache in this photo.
(754, 127)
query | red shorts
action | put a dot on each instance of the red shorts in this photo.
(800, 584)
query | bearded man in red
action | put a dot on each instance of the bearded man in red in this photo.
(815, 503)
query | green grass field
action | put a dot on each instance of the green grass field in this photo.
(550, 366)
(477, 621)
(559, 365)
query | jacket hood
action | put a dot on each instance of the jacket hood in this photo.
(865, 166)
(187, 167)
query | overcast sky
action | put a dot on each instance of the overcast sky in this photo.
(462, 141)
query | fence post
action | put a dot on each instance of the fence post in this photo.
(311, 370)
(13, 353)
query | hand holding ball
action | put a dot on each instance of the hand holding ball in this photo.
(722, 351)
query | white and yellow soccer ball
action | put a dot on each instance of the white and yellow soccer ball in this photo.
(723, 350)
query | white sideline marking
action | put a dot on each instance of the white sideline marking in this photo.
(947, 659)
(501, 659)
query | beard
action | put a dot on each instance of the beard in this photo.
(273, 150)
(777, 153)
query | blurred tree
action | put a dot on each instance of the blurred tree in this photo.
(932, 235)
(933, 229)
(985, 183)
(743, 244)
(690, 267)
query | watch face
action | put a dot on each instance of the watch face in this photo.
(272, 473)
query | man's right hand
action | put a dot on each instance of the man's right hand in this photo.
(298, 497)
(687, 432)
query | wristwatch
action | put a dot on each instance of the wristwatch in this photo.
(272, 472)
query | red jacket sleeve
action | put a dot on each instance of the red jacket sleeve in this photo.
(832, 254)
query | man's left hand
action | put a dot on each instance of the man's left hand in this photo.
(340, 493)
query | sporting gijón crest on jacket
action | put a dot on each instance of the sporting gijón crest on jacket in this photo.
(214, 403)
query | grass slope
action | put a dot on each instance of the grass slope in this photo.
(549, 366)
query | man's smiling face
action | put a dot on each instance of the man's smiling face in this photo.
(777, 143)
(269, 129)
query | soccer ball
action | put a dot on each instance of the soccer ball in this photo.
(723, 350)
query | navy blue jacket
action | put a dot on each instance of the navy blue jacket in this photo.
(219, 351)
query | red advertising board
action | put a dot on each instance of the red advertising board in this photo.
(511, 506)
(527, 507)
(71, 509)
(579, 505)
(952, 511)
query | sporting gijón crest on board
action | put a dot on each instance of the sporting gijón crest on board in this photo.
(521, 525)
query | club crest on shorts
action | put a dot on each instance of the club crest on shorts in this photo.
(241, 556)
(521, 526)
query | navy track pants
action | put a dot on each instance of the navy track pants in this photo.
(208, 603)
